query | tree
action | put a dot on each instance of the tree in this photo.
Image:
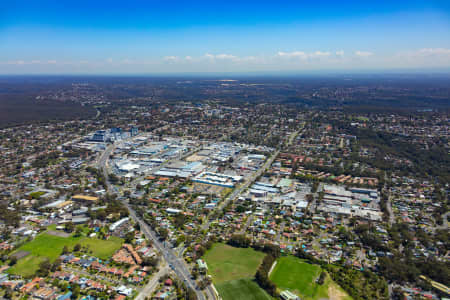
(44, 268)
(179, 220)
(12, 260)
(321, 279)
(191, 294)
(65, 249)
(6, 234)
(113, 178)
(8, 293)
(55, 265)
(240, 209)
(262, 277)
(204, 283)
(200, 251)
(315, 187)
(239, 240)
(194, 273)
(77, 248)
(150, 261)
(75, 291)
(101, 214)
(137, 226)
(69, 227)
(180, 239)
(163, 233)
(78, 231)
(129, 237)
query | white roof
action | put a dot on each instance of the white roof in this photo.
(302, 204)
(128, 167)
(173, 210)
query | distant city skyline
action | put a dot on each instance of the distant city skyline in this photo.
(151, 37)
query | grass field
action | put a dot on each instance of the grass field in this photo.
(299, 277)
(50, 246)
(26, 266)
(227, 263)
(37, 195)
(241, 289)
(232, 270)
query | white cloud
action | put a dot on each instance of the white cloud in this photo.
(251, 59)
(222, 56)
(299, 54)
(320, 54)
(433, 52)
(282, 60)
(363, 53)
(225, 56)
(303, 55)
(15, 62)
(425, 57)
(171, 57)
(30, 62)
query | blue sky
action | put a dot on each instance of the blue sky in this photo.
(101, 37)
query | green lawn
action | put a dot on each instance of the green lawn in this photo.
(227, 263)
(36, 195)
(241, 289)
(232, 270)
(26, 266)
(52, 227)
(50, 246)
(103, 249)
(362, 118)
(299, 277)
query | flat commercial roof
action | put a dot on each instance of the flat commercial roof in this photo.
(302, 204)
(264, 188)
(85, 198)
(285, 182)
(58, 204)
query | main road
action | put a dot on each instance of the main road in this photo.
(103, 159)
(175, 263)
(148, 289)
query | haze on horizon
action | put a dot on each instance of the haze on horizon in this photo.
(132, 37)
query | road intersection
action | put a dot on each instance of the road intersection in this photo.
(177, 264)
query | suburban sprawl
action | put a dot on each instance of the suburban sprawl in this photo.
(221, 199)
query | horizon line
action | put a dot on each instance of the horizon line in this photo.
(432, 71)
